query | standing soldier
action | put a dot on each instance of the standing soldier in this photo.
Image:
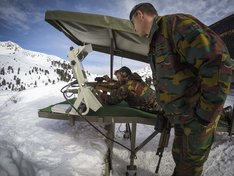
(192, 71)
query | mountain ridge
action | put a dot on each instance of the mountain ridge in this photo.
(22, 69)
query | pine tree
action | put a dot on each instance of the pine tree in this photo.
(3, 82)
(2, 72)
(17, 81)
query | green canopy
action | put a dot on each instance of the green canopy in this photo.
(116, 36)
(106, 34)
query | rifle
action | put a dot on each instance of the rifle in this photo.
(97, 86)
(100, 87)
(104, 86)
(163, 142)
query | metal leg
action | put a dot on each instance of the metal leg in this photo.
(146, 141)
(132, 169)
(110, 133)
(127, 132)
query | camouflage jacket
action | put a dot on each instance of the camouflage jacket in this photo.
(191, 68)
(136, 93)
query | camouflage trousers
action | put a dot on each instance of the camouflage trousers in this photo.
(191, 147)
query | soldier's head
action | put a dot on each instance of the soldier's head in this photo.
(142, 16)
(122, 74)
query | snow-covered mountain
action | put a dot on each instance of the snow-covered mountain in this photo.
(144, 72)
(21, 69)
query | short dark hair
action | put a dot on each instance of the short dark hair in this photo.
(124, 71)
(143, 7)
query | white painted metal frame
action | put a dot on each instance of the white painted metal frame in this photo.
(85, 95)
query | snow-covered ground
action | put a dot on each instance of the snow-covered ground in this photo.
(51, 147)
(33, 146)
(45, 147)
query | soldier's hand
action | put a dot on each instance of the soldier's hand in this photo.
(99, 79)
(160, 123)
(107, 78)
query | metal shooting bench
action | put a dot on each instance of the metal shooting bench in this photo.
(116, 37)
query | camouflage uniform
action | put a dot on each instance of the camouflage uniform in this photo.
(135, 92)
(192, 73)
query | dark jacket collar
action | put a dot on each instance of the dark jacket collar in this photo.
(154, 27)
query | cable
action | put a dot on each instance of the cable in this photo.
(119, 129)
(133, 152)
(71, 94)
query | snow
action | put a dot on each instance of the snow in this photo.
(44, 147)
(51, 147)
(33, 146)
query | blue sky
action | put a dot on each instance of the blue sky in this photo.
(22, 21)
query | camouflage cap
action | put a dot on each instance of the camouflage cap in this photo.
(124, 69)
(138, 6)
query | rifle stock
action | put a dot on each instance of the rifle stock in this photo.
(104, 86)
(163, 142)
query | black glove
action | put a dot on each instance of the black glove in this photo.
(160, 122)
(99, 79)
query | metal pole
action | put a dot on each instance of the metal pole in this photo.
(111, 58)
(133, 143)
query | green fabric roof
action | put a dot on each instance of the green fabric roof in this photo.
(99, 30)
